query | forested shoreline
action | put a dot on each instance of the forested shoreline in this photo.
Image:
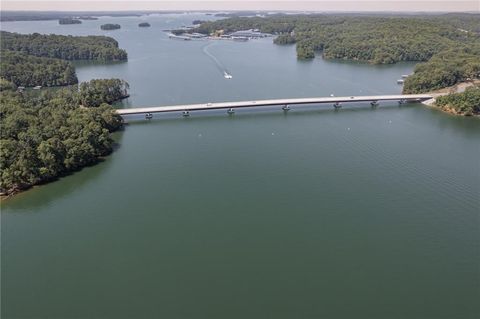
(27, 70)
(44, 60)
(98, 48)
(449, 45)
(110, 26)
(464, 103)
(48, 134)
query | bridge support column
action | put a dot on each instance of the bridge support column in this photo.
(374, 103)
(337, 105)
(186, 113)
(231, 111)
(402, 101)
(286, 108)
(148, 116)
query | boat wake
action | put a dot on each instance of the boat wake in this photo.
(223, 70)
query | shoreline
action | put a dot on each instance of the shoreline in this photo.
(457, 88)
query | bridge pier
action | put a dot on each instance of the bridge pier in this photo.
(283, 103)
(231, 111)
(186, 113)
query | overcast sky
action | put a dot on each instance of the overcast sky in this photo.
(309, 5)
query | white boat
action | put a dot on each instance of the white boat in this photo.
(179, 37)
(400, 81)
(226, 75)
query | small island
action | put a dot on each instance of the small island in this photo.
(144, 25)
(110, 26)
(69, 21)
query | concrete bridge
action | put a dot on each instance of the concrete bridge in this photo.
(285, 103)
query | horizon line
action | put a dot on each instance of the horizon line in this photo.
(247, 5)
(238, 10)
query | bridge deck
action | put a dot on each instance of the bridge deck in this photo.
(245, 104)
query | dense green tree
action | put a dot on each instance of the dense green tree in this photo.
(63, 47)
(98, 91)
(467, 103)
(26, 70)
(284, 39)
(445, 69)
(69, 21)
(47, 134)
(442, 40)
(110, 26)
(5, 84)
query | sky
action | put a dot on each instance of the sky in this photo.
(308, 5)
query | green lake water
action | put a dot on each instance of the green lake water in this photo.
(355, 213)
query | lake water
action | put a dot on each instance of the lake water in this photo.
(355, 213)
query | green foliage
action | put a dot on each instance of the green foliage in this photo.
(27, 70)
(63, 47)
(96, 92)
(110, 26)
(467, 102)
(6, 85)
(69, 21)
(445, 69)
(47, 135)
(276, 24)
(284, 39)
(305, 50)
(365, 38)
(448, 42)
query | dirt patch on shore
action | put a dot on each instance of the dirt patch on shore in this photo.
(457, 88)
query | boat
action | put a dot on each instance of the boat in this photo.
(400, 81)
(179, 37)
(226, 75)
(241, 39)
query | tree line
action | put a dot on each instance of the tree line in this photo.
(48, 134)
(377, 40)
(63, 47)
(69, 21)
(25, 70)
(445, 69)
(110, 26)
(98, 91)
(466, 103)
